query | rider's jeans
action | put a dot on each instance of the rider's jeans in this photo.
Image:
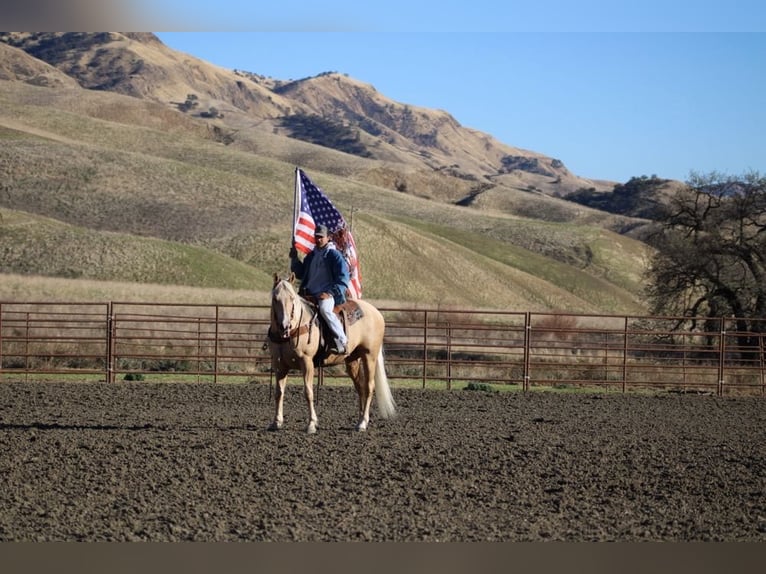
(325, 308)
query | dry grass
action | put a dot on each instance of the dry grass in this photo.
(102, 186)
(15, 287)
(33, 244)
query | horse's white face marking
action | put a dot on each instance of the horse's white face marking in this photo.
(283, 302)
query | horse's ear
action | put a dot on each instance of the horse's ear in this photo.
(276, 279)
(291, 278)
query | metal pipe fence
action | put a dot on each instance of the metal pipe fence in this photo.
(122, 341)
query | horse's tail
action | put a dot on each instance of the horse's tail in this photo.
(385, 401)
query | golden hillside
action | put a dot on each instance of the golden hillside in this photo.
(90, 168)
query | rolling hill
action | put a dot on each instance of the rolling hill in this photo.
(108, 176)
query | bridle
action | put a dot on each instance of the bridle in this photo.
(288, 333)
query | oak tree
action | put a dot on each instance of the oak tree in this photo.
(710, 258)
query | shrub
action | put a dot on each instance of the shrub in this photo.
(484, 387)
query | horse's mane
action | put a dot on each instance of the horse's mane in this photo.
(285, 282)
(287, 285)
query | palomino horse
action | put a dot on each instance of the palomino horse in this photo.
(294, 340)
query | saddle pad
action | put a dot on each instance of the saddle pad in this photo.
(351, 310)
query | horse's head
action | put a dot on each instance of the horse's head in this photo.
(284, 301)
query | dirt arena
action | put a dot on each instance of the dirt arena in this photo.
(172, 462)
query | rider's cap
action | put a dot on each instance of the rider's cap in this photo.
(320, 231)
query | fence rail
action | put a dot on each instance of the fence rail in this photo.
(119, 340)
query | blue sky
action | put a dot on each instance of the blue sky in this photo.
(661, 88)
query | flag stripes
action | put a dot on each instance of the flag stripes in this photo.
(315, 208)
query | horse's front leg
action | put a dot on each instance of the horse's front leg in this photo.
(308, 389)
(279, 395)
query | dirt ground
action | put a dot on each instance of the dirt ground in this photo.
(175, 461)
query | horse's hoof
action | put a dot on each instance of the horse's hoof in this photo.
(361, 427)
(275, 426)
(312, 428)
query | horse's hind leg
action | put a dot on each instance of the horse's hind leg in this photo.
(364, 381)
(355, 371)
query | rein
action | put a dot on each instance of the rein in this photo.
(296, 332)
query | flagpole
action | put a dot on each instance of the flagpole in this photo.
(296, 205)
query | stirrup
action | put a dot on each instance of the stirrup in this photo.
(339, 349)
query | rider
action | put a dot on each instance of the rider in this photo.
(324, 275)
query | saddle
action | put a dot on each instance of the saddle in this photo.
(348, 313)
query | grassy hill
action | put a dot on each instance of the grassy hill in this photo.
(42, 246)
(102, 187)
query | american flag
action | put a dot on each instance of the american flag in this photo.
(314, 208)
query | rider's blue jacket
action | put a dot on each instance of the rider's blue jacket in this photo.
(323, 271)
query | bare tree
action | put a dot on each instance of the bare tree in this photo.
(711, 251)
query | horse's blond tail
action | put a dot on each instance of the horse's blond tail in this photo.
(385, 401)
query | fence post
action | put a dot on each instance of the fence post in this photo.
(425, 346)
(26, 347)
(760, 344)
(215, 351)
(199, 347)
(527, 337)
(449, 356)
(1, 338)
(760, 362)
(625, 355)
(109, 358)
(721, 355)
